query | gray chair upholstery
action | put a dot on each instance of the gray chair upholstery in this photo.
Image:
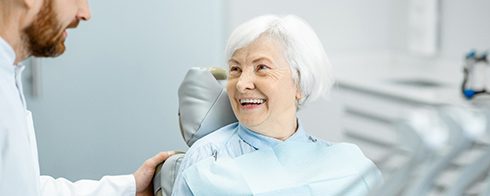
(203, 104)
(163, 182)
(203, 108)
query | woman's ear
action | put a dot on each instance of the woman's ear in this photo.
(298, 94)
(299, 97)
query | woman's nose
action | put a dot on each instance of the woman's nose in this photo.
(245, 82)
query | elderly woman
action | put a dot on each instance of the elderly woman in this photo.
(276, 66)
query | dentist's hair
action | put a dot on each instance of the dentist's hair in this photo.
(304, 51)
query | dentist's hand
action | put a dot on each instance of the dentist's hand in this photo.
(144, 175)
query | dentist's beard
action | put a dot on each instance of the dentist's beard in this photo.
(44, 37)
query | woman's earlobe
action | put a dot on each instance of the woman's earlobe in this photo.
(299, 95)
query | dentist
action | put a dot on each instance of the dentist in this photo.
(38, 28)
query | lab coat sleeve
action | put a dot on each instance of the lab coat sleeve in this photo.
(107, 186)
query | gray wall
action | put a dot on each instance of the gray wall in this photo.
(464, 26)
(110, 101)
(346, 26)
(377, 25)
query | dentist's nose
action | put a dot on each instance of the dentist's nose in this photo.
(84, 11)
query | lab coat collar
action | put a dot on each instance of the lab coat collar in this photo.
(9, 71)
(259, 141)
(7, 57)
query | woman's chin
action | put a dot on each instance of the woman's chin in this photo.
(250, 123)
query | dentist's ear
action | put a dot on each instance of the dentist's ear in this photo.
(29, 8)
(32, 4)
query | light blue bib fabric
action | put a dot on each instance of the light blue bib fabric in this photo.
(289, 168)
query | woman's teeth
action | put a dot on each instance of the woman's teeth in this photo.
(251, 101)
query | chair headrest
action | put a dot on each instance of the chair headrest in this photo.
(203, 104)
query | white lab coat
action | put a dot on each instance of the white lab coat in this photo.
(19, 166)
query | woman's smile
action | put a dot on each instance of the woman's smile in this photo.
(251, 103)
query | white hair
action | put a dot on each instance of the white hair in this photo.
(309, 64)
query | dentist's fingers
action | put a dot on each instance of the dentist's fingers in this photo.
(144, 175)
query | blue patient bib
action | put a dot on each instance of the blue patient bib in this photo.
(289, 168)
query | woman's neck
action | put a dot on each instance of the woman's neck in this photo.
(278, 130)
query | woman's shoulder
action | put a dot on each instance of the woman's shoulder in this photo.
(347, 147)
(215, 139)
(342, 150)
(208, 145)
(350, 154)
(351, 157)
(337, 146)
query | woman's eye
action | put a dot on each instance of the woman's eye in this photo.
(235, 70)
(262, 67)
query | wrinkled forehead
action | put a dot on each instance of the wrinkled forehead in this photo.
(264, 46)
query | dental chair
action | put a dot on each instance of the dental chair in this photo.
(460, 138)
(473, 172)
(414, 147)
(203, 108)
(431, 139)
